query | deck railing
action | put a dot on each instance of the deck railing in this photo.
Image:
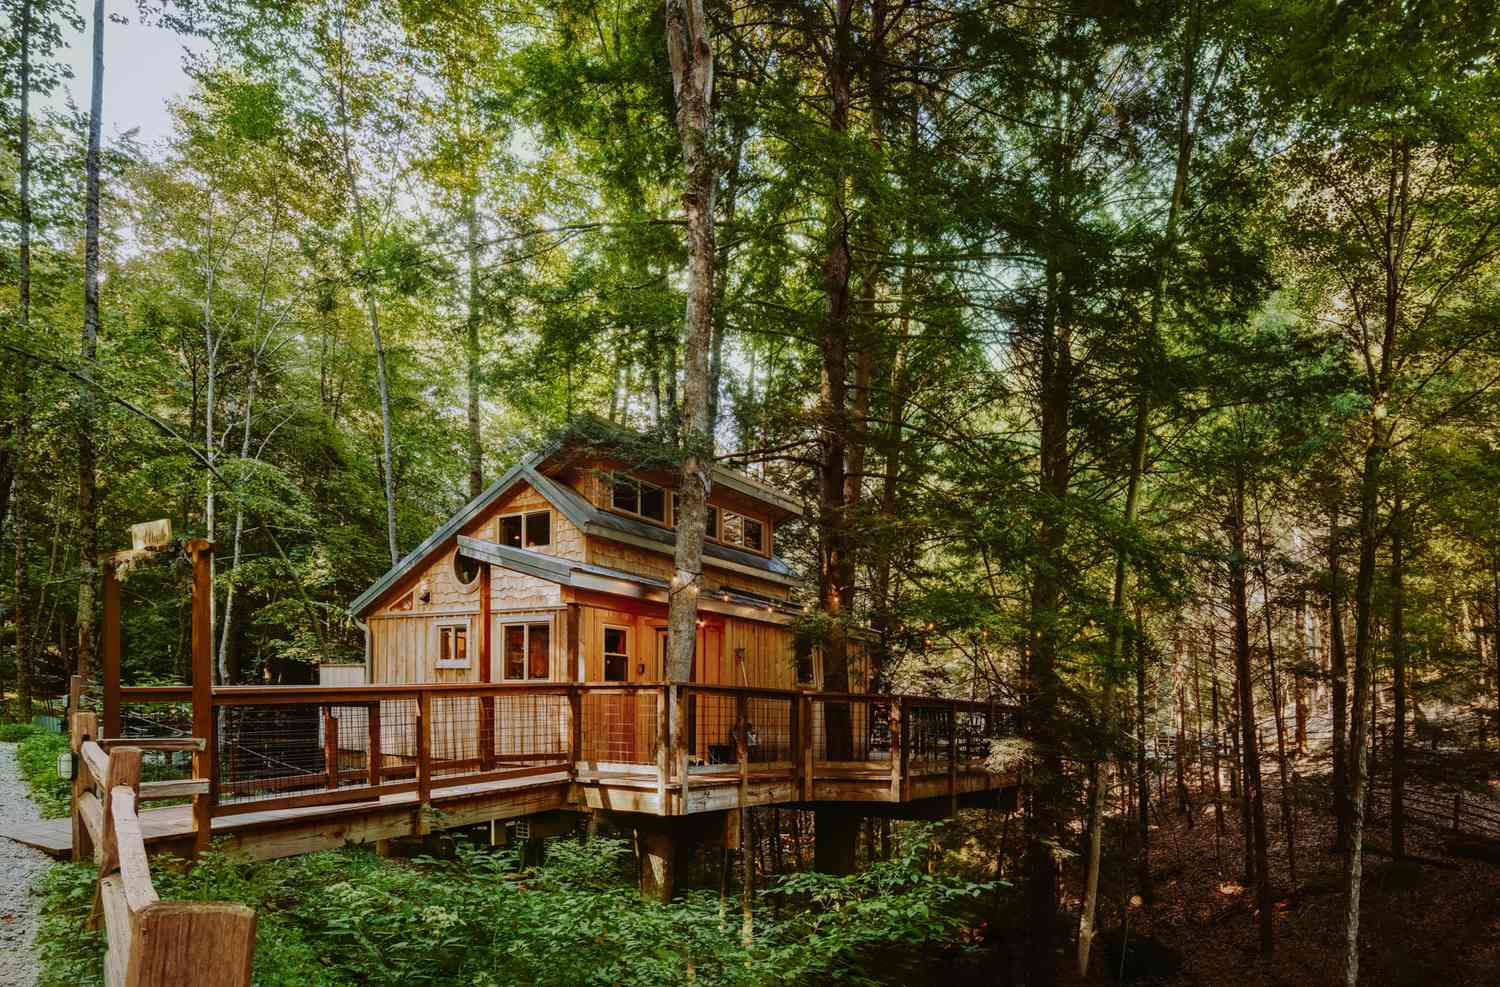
(284, 747)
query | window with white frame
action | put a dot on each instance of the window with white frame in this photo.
(526, 650)
(453, 644)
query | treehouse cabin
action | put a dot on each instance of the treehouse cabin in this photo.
(566, 560)
(514, 667)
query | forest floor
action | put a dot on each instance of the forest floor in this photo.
(1431, 918)
(19, 869)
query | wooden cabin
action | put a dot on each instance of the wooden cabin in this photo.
(579, 548)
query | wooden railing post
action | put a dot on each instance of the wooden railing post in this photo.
(486, 671)
(681, 702)
(109, 650)
(205, 763)
(82, 727)
(663, 746)
(575, 727)
(424, 758)
(805, 755)
(375, 756)
(331, 746)
(898, 748)
(794, 742)
(952, 758)
(123, 771)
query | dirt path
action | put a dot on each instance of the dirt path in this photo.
(19, 868)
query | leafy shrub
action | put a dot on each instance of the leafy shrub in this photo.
(12, 732)
(36, 756)
(348, 917)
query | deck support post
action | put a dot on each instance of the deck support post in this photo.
(424, 762)
(205, 762)
(835, 840)
(661, 854)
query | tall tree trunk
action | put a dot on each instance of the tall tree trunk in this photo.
(1299, 680)
(372, 305)
(1338, 666)
(1278, 704)
(1398, 671)
(20, 609)
(1380, 381)
(1142, 776)
(226, 673)
(1239, 605)
(836, 568)
(690, 48)
(1044, 817)
(88, 509)
(471, 349)
(210, 439)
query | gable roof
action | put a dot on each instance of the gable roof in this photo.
(588, 518)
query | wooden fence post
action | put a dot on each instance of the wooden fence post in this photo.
(794, 738)
(953, 758)
(124, 771)
(82, 727)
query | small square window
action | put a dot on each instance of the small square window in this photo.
(453, 646)
(616, 654)
(539, 528)
(510, 531)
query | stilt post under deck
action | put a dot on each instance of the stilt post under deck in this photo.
(835, 836)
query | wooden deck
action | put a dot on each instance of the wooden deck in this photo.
(289, 770)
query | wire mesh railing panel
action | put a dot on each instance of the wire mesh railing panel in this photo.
(274, 751)
(156, 720)
(851, 730)
(527, 729)
(620, 726)
(927, 733)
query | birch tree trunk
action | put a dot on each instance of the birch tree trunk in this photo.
(88, 520)
(20, 611)
(690, 49)
(372, 305)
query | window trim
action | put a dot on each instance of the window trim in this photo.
(466, 625)
(714, 532)
(526, 621)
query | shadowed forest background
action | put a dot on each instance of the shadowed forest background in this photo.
(1136, 363)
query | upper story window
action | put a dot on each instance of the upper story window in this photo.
(638, 497)
(731, 528)
(748, 532)
(526, 530)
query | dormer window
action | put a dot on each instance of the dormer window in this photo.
(631, 496)
(747, 532)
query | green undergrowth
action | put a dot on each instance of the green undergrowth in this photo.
(11, 731)
(36, 756)
(348, 917)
